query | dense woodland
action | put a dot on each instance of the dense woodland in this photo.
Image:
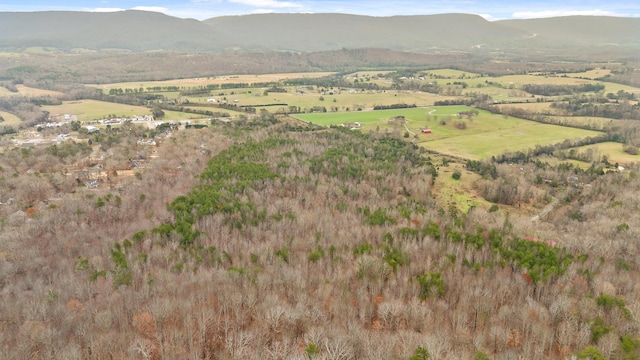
(314, 243)
(268, 238)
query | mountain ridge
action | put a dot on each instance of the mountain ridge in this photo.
(139, 31)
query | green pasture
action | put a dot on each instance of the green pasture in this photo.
(9, 119)
(520, 135)
(369, 119)
(485, 135)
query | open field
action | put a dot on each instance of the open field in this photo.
(87, 110)
(592, 122)
(530, 106)
(29, 91)
(517, 81)
(369, 119)
(591, 74)
(612, 150)
(9, 119)
(451, 74)
(458, 193)
(344, 100)
(485, 135)
(204, 81)
(523, 136)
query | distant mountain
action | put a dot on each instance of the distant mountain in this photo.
(320, 32)
(580, 30)
(126, 30)
(148, 31)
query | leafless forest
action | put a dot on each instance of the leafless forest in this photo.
(283, 242)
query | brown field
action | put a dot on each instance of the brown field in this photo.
(204, 81)
(9, 119)
(591, 74)
(29, 91)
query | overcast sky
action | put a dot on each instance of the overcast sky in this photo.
(203, 9)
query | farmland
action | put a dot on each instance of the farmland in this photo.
(88, 110)
(211, 80)
(484, 135)
(613, 151)
(385, 207)
(9, 119)
(521, 136)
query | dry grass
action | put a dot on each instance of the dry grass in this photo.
(9, 119)
(204, 81)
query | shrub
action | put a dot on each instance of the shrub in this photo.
(431, 284)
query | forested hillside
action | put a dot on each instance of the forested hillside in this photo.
(286, 241)
(140, 31)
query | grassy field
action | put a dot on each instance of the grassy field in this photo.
(9, 119)
(485, 135)
(87, 110)
(591, 74)
(521, 135)
(340, 100)
(369, 119)
(517, 81)
(613, 151)
(452, 74)
(531, 106)
(29, 91)
(461, 193)
(5, 92)
(204, 81)
(592, 122)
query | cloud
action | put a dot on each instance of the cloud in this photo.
(556, 13)
(107, 10)
(263, 11)
(267, 3)
(151, 8)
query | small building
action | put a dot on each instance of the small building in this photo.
(92, 129)
(426, 131)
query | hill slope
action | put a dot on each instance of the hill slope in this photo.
(581, 30)
(148, 31)
(127, 30)
(318, 32)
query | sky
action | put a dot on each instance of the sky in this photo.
(204, 9)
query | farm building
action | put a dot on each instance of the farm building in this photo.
(426, 131)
